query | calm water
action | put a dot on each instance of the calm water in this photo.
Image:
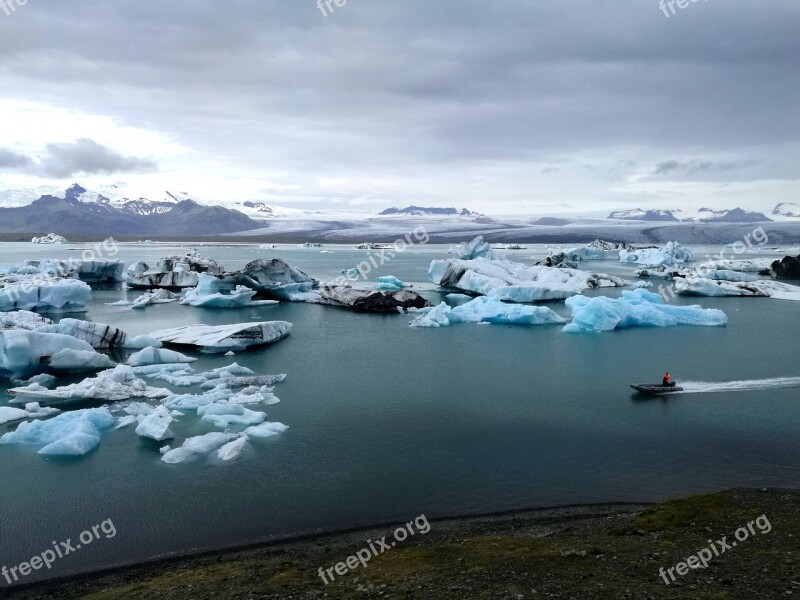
(388, 422)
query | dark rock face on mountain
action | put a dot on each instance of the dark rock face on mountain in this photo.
(426, 210)
(371, 300)
(69, 215)
(786, 268)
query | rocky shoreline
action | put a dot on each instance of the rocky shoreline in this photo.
(594, 551)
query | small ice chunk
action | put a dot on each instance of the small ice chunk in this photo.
(73, 433)
(232, 450)
(157, 356)
(265, 430)
(156, 425)
(227, 415)
(198, 445)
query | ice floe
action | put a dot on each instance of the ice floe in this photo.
(22, 319)
(265, 430)
(155, 425)
(761, 287)
(232, 450)
(99, 335)
(224, 415)
(487, 310)
(637, 308)
(160, 296)
(32, 410)
(157, 356)
(390, 283)
(221, 338)
(73, 433)
(201, 445)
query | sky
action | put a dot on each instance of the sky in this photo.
(504, 107)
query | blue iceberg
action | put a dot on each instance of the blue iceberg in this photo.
(390, 283)
(637, 308)
(72, 433)
(487, 310)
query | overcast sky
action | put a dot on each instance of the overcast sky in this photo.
(503, 106)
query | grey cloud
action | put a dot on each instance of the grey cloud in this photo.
(12, 160)
(86, 156)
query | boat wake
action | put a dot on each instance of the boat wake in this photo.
(747, 385)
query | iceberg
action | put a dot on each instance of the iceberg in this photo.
(374, 301)
(487, 310)
(232, 450)
(200, 445)
(36, 292)
(484, 272)
(171, 272)
(221, 338)
(596, 250)
(223, 415)
(160, 296)
(671, 254)
(762, 287)
(50, 238)
(73, 433)
(32, 410)
(720, 274)
(389, 283)
(265, 430)
(22, 319)
(637, 308)
(115, 385)
(272, 279)
(99, 335)
(89, 271)
(156, 425)
(157, 356)
(212, 292)
(24, 353)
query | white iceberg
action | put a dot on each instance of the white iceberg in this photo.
(223, 415)
(22, 319)
(637, 308)
(156, 425)
(265, 430)
(213, 292)
(488, 274)
(672, 253)
(487, 310)
(221, 338)
(73, 433)
(24, 353)
(160, 296)
(171, 272)
(89, 271)
(50, 238)
(232, 450)
(200, 445)
(9, 414)
(157, 356)
(110, 386)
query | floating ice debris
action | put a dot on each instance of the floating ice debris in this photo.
(156, 425)
(637, 308)
(110, 386)
(160, 296)
(232, 450)
(596, 250)
(157, 356)
(99, 335)
(458, 298)
(671, 254)
(125, 421)
(701, 271)
(89, 271)
(200, 445)
(73, 433)
(9, 414)
(486, 273)
(274, 279)
(119, 303)
(24, 353)
(389, 283)
(265, 430)
(487, 310)
(230, 353)
(761, 287)
(50, 238)
(42, 379)
(221, 338)
(22, 319)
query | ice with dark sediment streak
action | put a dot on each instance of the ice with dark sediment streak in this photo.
(673, 253)
(637, 308)
(99, 335)
(761, 287)
(221, 338)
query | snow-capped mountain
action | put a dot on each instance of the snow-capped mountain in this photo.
(702, 215)
(787, 209)
(421, 211)
(80, 212)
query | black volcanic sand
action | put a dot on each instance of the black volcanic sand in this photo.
(597, 551)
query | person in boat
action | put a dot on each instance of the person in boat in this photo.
(667, 380)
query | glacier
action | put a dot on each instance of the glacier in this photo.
(480, 270)
(487, 310)
(73, 433)
(637, 308)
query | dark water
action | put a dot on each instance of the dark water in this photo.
(388, 422)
